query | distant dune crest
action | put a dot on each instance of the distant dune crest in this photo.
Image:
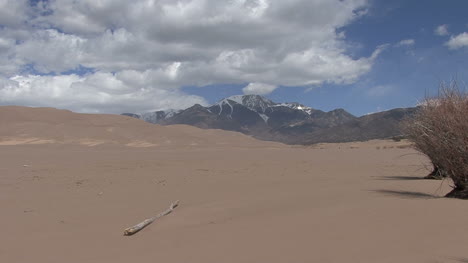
(24, 125)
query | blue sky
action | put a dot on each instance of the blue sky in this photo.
(135, 56)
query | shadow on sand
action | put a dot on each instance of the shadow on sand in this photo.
(463, 260)
(406, 194)
(406, 178)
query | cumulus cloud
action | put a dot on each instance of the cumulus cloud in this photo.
(441, 30)
(140, 53)
(259, 89)
(459, 41)
(406, 42)
(98, 92)
(13, 12)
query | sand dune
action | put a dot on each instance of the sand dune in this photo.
(240, 201)
(23, 125)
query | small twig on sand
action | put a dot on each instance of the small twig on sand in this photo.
(134, 229)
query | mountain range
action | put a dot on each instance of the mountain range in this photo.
(290, 123)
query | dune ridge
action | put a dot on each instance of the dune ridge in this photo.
(24, 125)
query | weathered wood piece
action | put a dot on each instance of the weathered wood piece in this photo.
(136, 228)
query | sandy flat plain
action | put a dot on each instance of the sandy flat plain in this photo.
(71, 183)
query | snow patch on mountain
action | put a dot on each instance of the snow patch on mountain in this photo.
(264, 117)
(237, 98)
(254, 102)
(297, 106)
(225, 102)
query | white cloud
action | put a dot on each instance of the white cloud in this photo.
(160, 46)
(458, 41)
(13, 12)
(406, 42)
(98, 92)
(259, 88)
(8, 60)
(441, 30)
(51, 51)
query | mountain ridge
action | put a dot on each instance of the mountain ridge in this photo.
(289, 122)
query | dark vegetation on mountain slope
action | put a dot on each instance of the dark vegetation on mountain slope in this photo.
(379, 125)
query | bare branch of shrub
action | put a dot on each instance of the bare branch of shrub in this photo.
(440, 130)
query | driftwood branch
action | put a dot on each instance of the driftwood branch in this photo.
(134, 229)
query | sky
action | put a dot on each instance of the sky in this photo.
(115, 56)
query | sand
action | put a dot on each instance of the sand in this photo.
(241, 200)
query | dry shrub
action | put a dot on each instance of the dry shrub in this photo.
(440, 130)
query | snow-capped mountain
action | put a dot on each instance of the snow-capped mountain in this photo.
(258, 104)
(247, 110)
(254, 102)
(286, 122)
(261, 104)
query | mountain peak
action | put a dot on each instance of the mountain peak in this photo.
(254, 102)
